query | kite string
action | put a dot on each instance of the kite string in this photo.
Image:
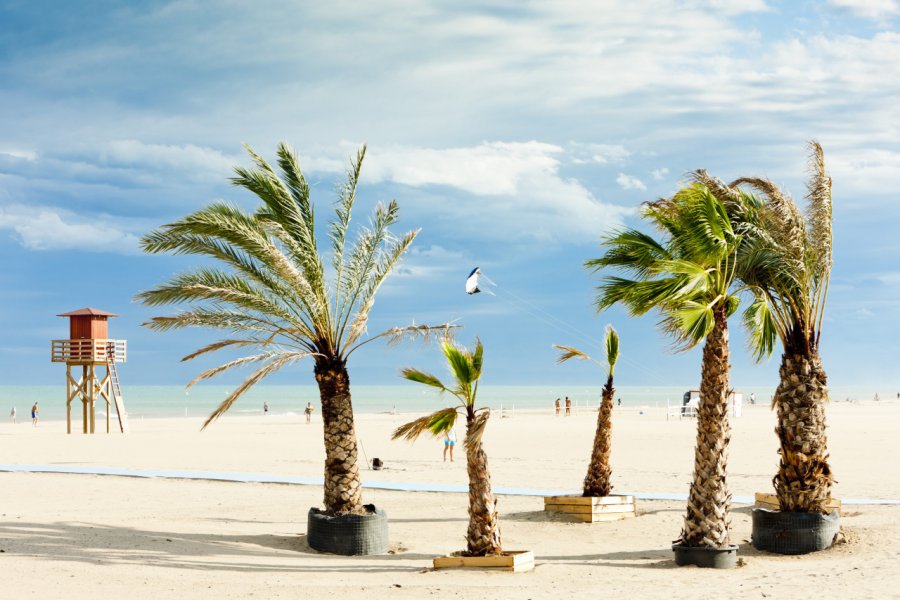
(555, 321)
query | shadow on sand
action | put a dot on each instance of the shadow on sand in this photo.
(96, 543)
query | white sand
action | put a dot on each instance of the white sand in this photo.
(92, 536)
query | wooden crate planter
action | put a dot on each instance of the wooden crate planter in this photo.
(514, 560)
(770, 501)
(591, 509)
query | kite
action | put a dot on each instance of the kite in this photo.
(472, 281)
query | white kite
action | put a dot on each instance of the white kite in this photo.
(472, 281)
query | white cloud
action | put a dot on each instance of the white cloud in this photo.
(736, 7)
(629, 182)
(45, 228)
(489, 169)
(187, 158)
(872, 9)
(659, 174)
(513, 189)
(603, 154)
(21, 154)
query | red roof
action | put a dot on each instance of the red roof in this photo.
(94, 312)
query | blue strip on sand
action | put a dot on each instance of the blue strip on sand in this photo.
(375, 485)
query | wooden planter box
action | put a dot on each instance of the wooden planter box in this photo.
(770, 501)
(513, 560)
(592, 509)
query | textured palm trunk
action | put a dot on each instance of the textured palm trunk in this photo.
(803, 482)
(483, 535)
(343, 489)
(708, 516)
(597, 481)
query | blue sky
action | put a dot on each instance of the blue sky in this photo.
(513, 134)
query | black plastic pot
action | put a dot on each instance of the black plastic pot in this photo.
(708, 558)
(350, 535)
(793, 532)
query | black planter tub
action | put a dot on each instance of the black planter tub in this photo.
(350, 535)
(705, 557)
(794, 532)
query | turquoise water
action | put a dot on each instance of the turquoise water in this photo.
(173, 401)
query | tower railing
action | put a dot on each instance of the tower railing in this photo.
(87, 351)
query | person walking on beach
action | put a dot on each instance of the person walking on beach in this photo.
(752, 398)
(568, 406)
(34, 415)
(308, 411)
(556, 405)
(265, 409)
(12, 414)
(449, 443)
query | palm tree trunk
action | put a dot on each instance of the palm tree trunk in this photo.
(483, 535)
(803, 482)
(597, 481)
(709, 502)
(343, 489)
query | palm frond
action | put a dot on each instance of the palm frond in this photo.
(384, 266)
(612, 348)
(216, 346)
(568, 353)
(422, 377)
(340, 225)
(436, 423)
(257, 376)
(761, 328)
(409, 333)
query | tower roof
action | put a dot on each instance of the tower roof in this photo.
(94, 312)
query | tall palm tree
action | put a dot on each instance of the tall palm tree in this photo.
(788, 266)
(271, 293)
(483, 535)
(689, 277)
(599, 473)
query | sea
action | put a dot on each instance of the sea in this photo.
(174, 401)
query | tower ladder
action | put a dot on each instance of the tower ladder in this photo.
(116, 388)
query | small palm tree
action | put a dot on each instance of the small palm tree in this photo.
(483, 535)
(788, 266)
(599, 474)
(689, 278)
(272, 294)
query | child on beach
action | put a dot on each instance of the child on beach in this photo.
(449, 443)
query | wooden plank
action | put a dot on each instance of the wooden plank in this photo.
(516, 561)
(601, 509)
(598, 518)
(770, 501)
(588, 500)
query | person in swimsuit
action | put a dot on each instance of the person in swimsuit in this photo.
(449, 443)
(34, 415)
(308, 411)
(556, 405)
(568, 406)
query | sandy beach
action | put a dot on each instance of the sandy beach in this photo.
(85, 536)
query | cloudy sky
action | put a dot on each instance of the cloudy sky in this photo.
(513, 134)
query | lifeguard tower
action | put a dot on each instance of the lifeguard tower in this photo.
(87, 348)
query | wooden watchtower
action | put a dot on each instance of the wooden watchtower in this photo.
(87, 348)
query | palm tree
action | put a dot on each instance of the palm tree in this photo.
(689, 278)
(483, 535)
(788, 266)
(597, 482)
(271, 294)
